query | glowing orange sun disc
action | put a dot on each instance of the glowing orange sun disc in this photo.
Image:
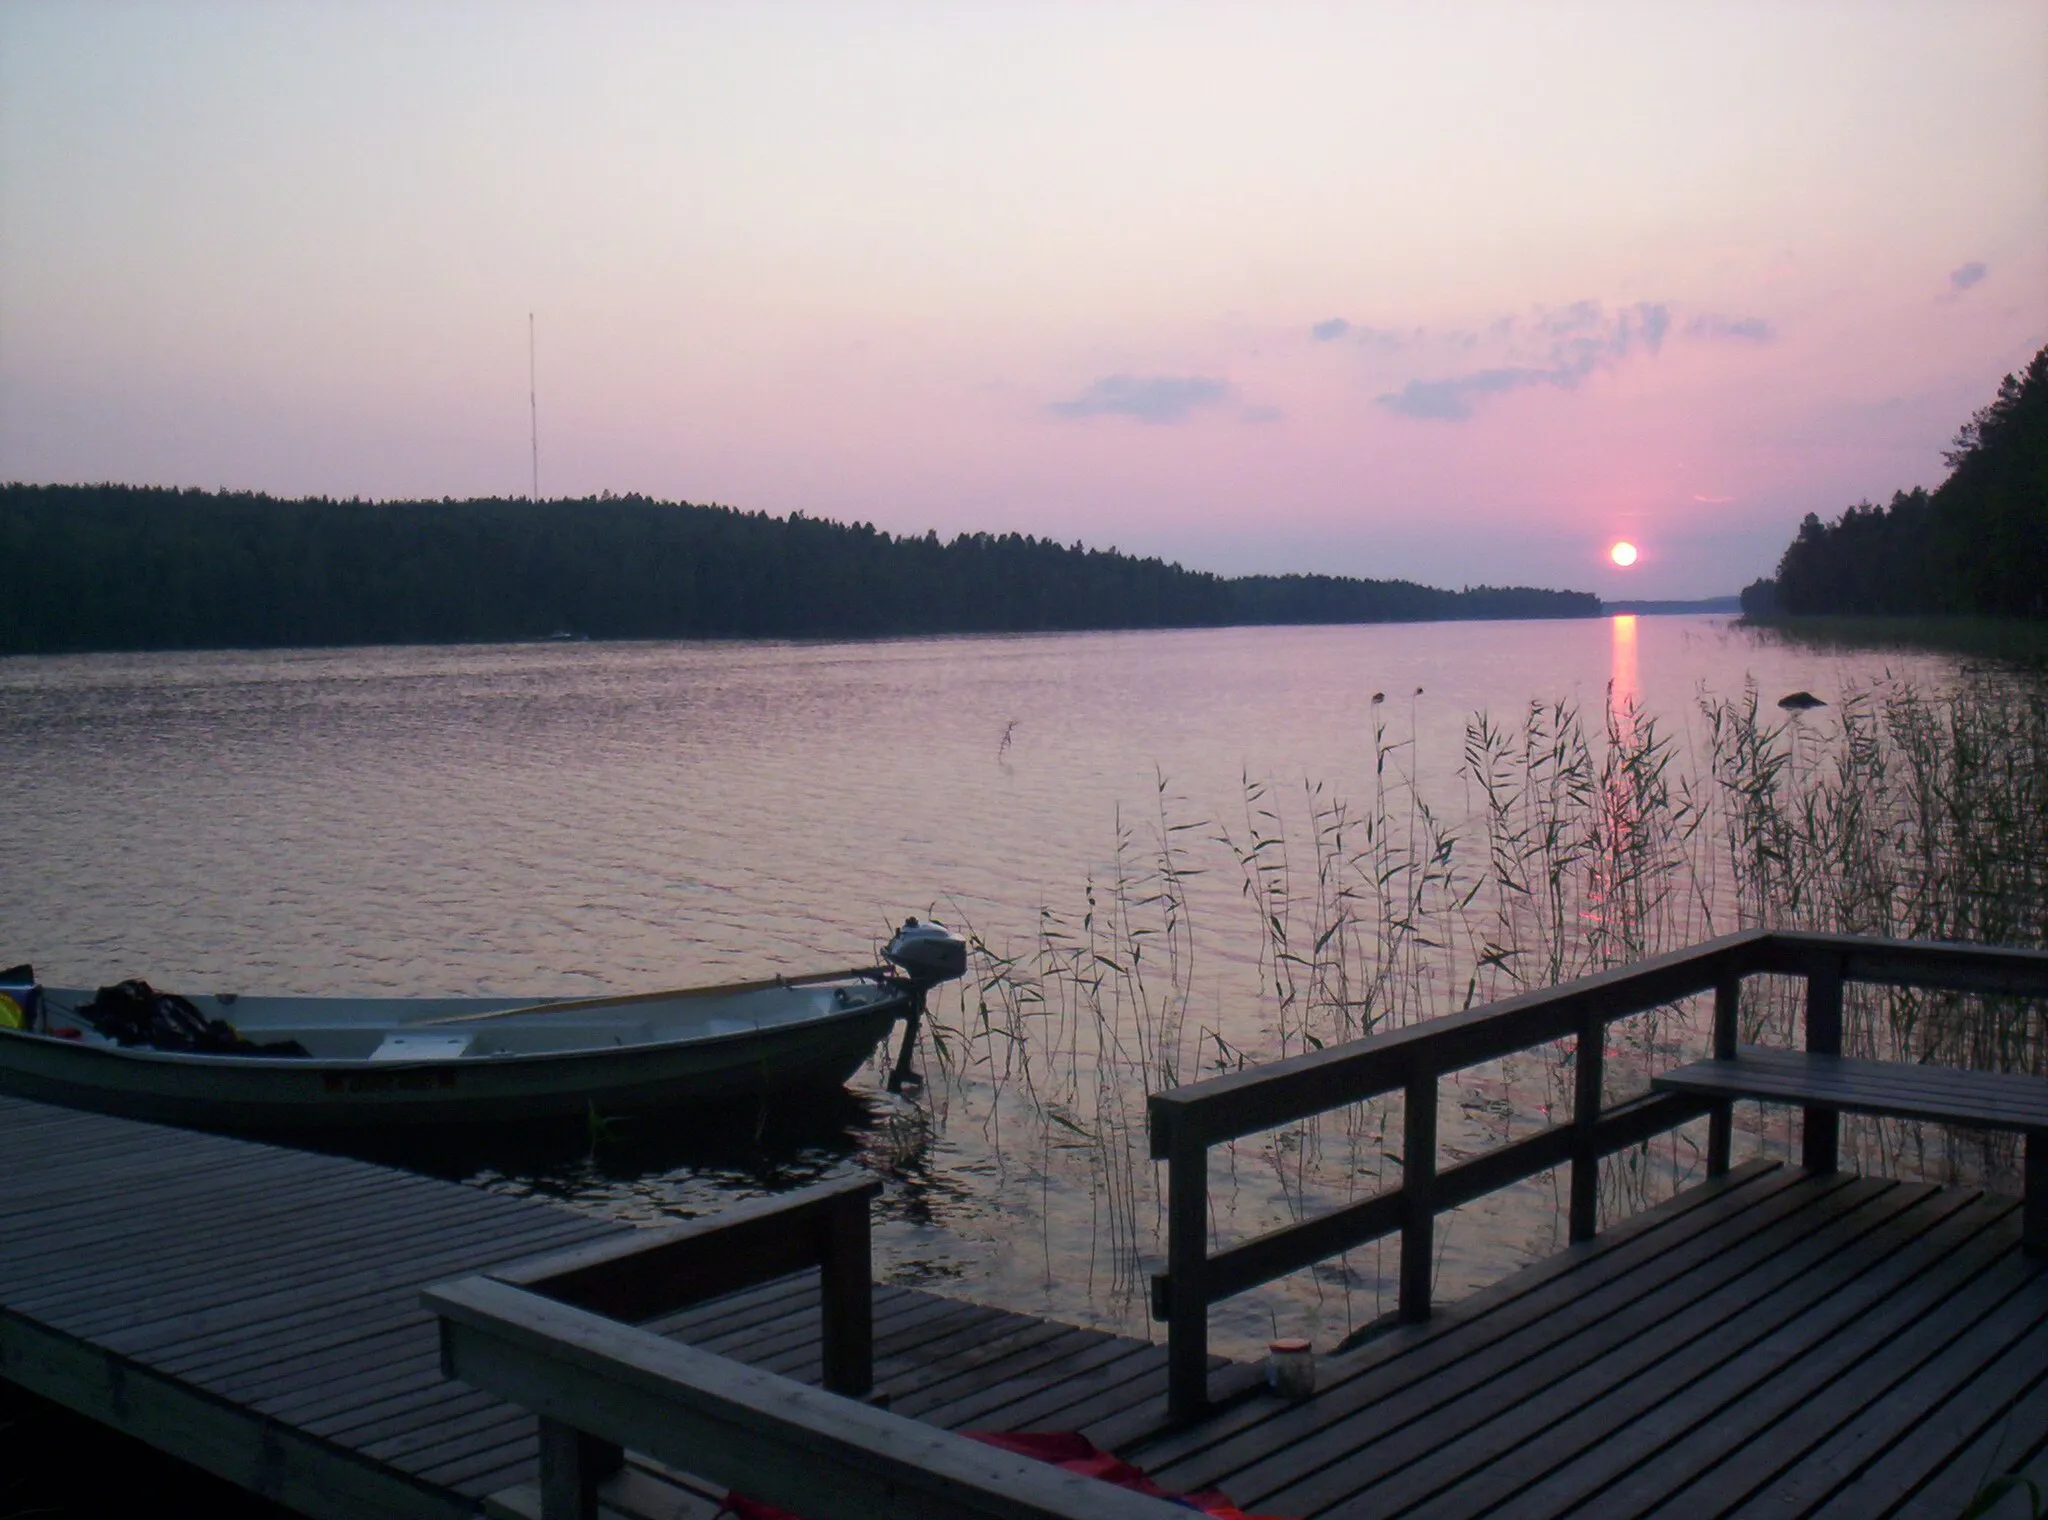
(1623, 553)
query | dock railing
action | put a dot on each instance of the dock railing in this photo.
(1186, 1121)
(556, 1335)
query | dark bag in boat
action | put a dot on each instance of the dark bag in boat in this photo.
(135, 1013)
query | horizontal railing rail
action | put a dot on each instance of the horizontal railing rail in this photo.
(547, 1334)
(649, 1272)
(637, 1276)
(1186, 1121)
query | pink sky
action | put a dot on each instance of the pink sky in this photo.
(1459, 293)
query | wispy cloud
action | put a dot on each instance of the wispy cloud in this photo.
(1570, 343)
(1714, 501)
(1714, 325)
(1366, 337)
(1968, 275)
(1148, 398)
(1451, 400)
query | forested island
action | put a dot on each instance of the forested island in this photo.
(1975, 546)
(124, 567)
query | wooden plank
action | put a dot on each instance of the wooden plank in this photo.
(1691, 1429)
(210, 1264)
(907, 1332)
(1467, 1358)
(1976, 1099)
(1995, 970)
(1106, 1381)
(347, 1239)
(368, 1283)
(1752, 1197)
(375, 1420)
(1442, 1446)
(1614, 1417)
(1762, 1466)
(74, 1203)
(1065, 1378)
(279, 1464)
(431, 1444)
(739, 1307)
(795, 1446)
(636, 1276)
(976, 1360)
(1931, 1445)
(1874, 1422)
(2009, 1446)
(345, 1365)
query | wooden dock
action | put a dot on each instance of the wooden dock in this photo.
(256, 1311)
(1771, 1343)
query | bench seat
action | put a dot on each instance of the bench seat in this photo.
(1941, 1094)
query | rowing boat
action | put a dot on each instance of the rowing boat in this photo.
(254, 1062)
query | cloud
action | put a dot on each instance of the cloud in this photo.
(1714, 501)
(1149, 398)
(1366, 337)
(1572, 342)
(1451, 400)
(1714, 325)
(1387, 338)
(1968, 275)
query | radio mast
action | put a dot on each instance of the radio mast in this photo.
(533, 408)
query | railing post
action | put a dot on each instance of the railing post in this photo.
(2034, 1194)
(1187, 1284)
(846, 1289)
(1727, 1021)
(1418, 1183)
(1589, 1086)
(571, 1466)
(1823, 1126)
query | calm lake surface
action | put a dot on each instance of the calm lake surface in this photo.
(575, 818)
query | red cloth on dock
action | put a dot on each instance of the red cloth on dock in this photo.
(1062, 1448)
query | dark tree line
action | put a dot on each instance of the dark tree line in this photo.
(120, 567)
(1977, 544)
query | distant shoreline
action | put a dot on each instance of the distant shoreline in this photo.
(1664, 609)
(127, 568)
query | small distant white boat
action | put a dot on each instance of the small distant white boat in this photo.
(243, 1062)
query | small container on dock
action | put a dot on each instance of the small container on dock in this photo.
(1291, 1368)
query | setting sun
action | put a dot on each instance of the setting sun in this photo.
(1623, 553)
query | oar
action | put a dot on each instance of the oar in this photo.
(627, 999)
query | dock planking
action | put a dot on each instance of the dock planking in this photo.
(1770, 1342)
(255, 1311)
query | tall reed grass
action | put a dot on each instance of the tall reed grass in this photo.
(1312, 914)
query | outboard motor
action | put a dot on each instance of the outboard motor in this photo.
(926, 954)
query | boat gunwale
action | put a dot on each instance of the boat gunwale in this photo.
(896, 998)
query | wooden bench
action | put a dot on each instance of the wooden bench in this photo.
(1828, 1085)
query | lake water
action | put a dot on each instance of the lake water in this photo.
(575, 817)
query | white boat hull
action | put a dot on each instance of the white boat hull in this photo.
(376, 1062)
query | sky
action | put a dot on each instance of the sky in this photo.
(1455, 292)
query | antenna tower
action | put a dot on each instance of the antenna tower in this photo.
(533, 408)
